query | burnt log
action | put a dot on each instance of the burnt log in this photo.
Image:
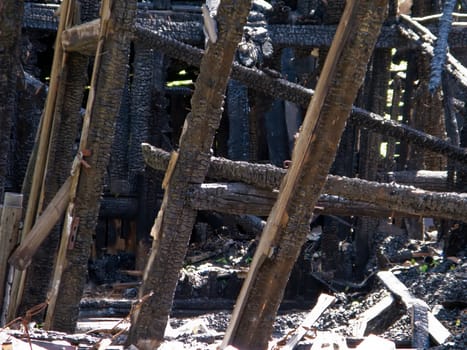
(392, 200)
(267, 176)
(240, 199)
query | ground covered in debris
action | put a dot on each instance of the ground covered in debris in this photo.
(215, 270)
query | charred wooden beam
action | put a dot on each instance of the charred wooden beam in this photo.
(395, 198)
(42, 16)
(281, 88)
(238, 116)
(173, 226)
(82, 38)
(312, 157)
(441, 47)
(424, 179)
(239, 198)
(106, 89)
(406, 133)
(10, 217)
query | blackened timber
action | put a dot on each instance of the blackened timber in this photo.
(64, 133)
(107, 84)
(239, 198)
(174, 223)
(288, 223)
(41, 16)
(283, 89)
(124, 207)
(261, 175)
(441, 46)
(406, 133)
(425, 40)
(238, 116)
(389, 199)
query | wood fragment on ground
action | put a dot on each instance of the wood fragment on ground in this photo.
(373, 342)
(362, 322)
(437, 331)
(324, 301)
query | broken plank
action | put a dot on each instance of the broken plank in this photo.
(324, 301)
(437, 331)
(361, 323)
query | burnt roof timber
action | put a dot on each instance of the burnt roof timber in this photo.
(42, 16)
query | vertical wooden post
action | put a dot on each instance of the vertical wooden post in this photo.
(9, 232)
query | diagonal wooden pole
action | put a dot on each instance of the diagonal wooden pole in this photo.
(288, 223)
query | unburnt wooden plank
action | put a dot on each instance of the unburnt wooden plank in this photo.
(324, 301)
(362, 321)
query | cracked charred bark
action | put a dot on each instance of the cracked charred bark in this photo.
(173, 226)
(109, 91)
(285, 232)
(140, 108)
(11, 14)
(398, 195)
(65, 131)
